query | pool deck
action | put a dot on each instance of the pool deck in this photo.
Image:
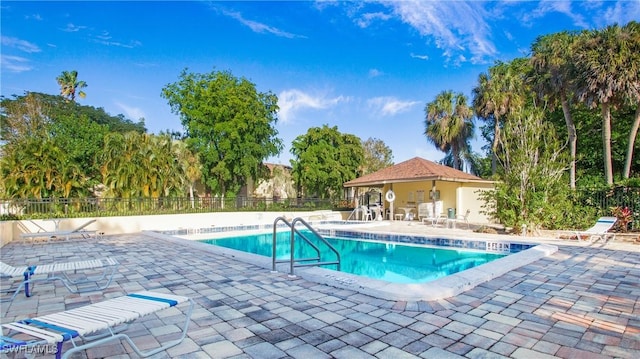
(580, 302)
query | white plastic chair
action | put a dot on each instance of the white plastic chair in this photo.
(366, 213)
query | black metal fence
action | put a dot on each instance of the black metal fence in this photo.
(604, 199)
(601, 199)
(107, 207)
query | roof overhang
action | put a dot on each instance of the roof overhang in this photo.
(380, 183)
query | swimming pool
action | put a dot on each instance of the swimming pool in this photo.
(392, 262)
(519, 254)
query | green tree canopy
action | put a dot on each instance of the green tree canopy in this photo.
(377, 155)
(50, 146)
(533, 160)
(553, 78)
(449, 126)
(143, 165)
(499, 92)
(609, 76)
(229, 123)
(324, 160)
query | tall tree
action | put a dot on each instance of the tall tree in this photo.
(498, 92)
(553, 77)
(324, 160)
(377, 155)
(191, 166)
(530, 191)
(143, 165)
(608, 74)
(449, 126)
(229, 123)
(632, 93)
(69, 84)
(65, 143)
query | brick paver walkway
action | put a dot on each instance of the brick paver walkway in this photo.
(580, 303)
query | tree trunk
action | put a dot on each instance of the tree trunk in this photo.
(456, 157)
(573, 139)
(606, 141)
(494, 146)
(632, 143)
(191, 195)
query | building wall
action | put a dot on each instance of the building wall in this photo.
(456, 195)
(469, 198)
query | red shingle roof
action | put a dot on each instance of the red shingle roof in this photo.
(415, 169)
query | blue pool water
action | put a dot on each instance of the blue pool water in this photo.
(390, 262)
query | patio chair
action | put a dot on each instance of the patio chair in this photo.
(76, 232)
(463, 218)
(366, 213)
(61, 272)
(92, 325)
(600, 230)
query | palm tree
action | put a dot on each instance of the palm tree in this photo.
(608, 75)
(69, 83)
(553, 75)
(190, 167)
(497, 94)
(632, 31)
(449, 127)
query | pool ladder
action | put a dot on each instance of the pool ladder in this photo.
(301, 262)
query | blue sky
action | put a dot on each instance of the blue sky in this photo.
(368, 68)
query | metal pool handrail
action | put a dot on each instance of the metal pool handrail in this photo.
(294, 230)
(292, 260)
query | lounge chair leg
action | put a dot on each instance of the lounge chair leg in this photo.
(26, 283)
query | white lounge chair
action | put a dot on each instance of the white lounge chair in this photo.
(600, 230)
(60, 271)
(440, 219)
(80, 231)
(92, 325)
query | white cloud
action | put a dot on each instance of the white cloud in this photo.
(34, 17)
(291, 101)
(621, 13)
(14, 63)
(106, 39)
(389, 106)
(132, 113)
(21, 45)
(260, 27)
(375, 73)
(73, 28)
(455, 26)
(366, 19)
(421, 57)
(563, 7)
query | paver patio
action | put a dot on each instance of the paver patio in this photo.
(581, 302)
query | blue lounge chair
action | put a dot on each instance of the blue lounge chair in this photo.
(92, 325)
